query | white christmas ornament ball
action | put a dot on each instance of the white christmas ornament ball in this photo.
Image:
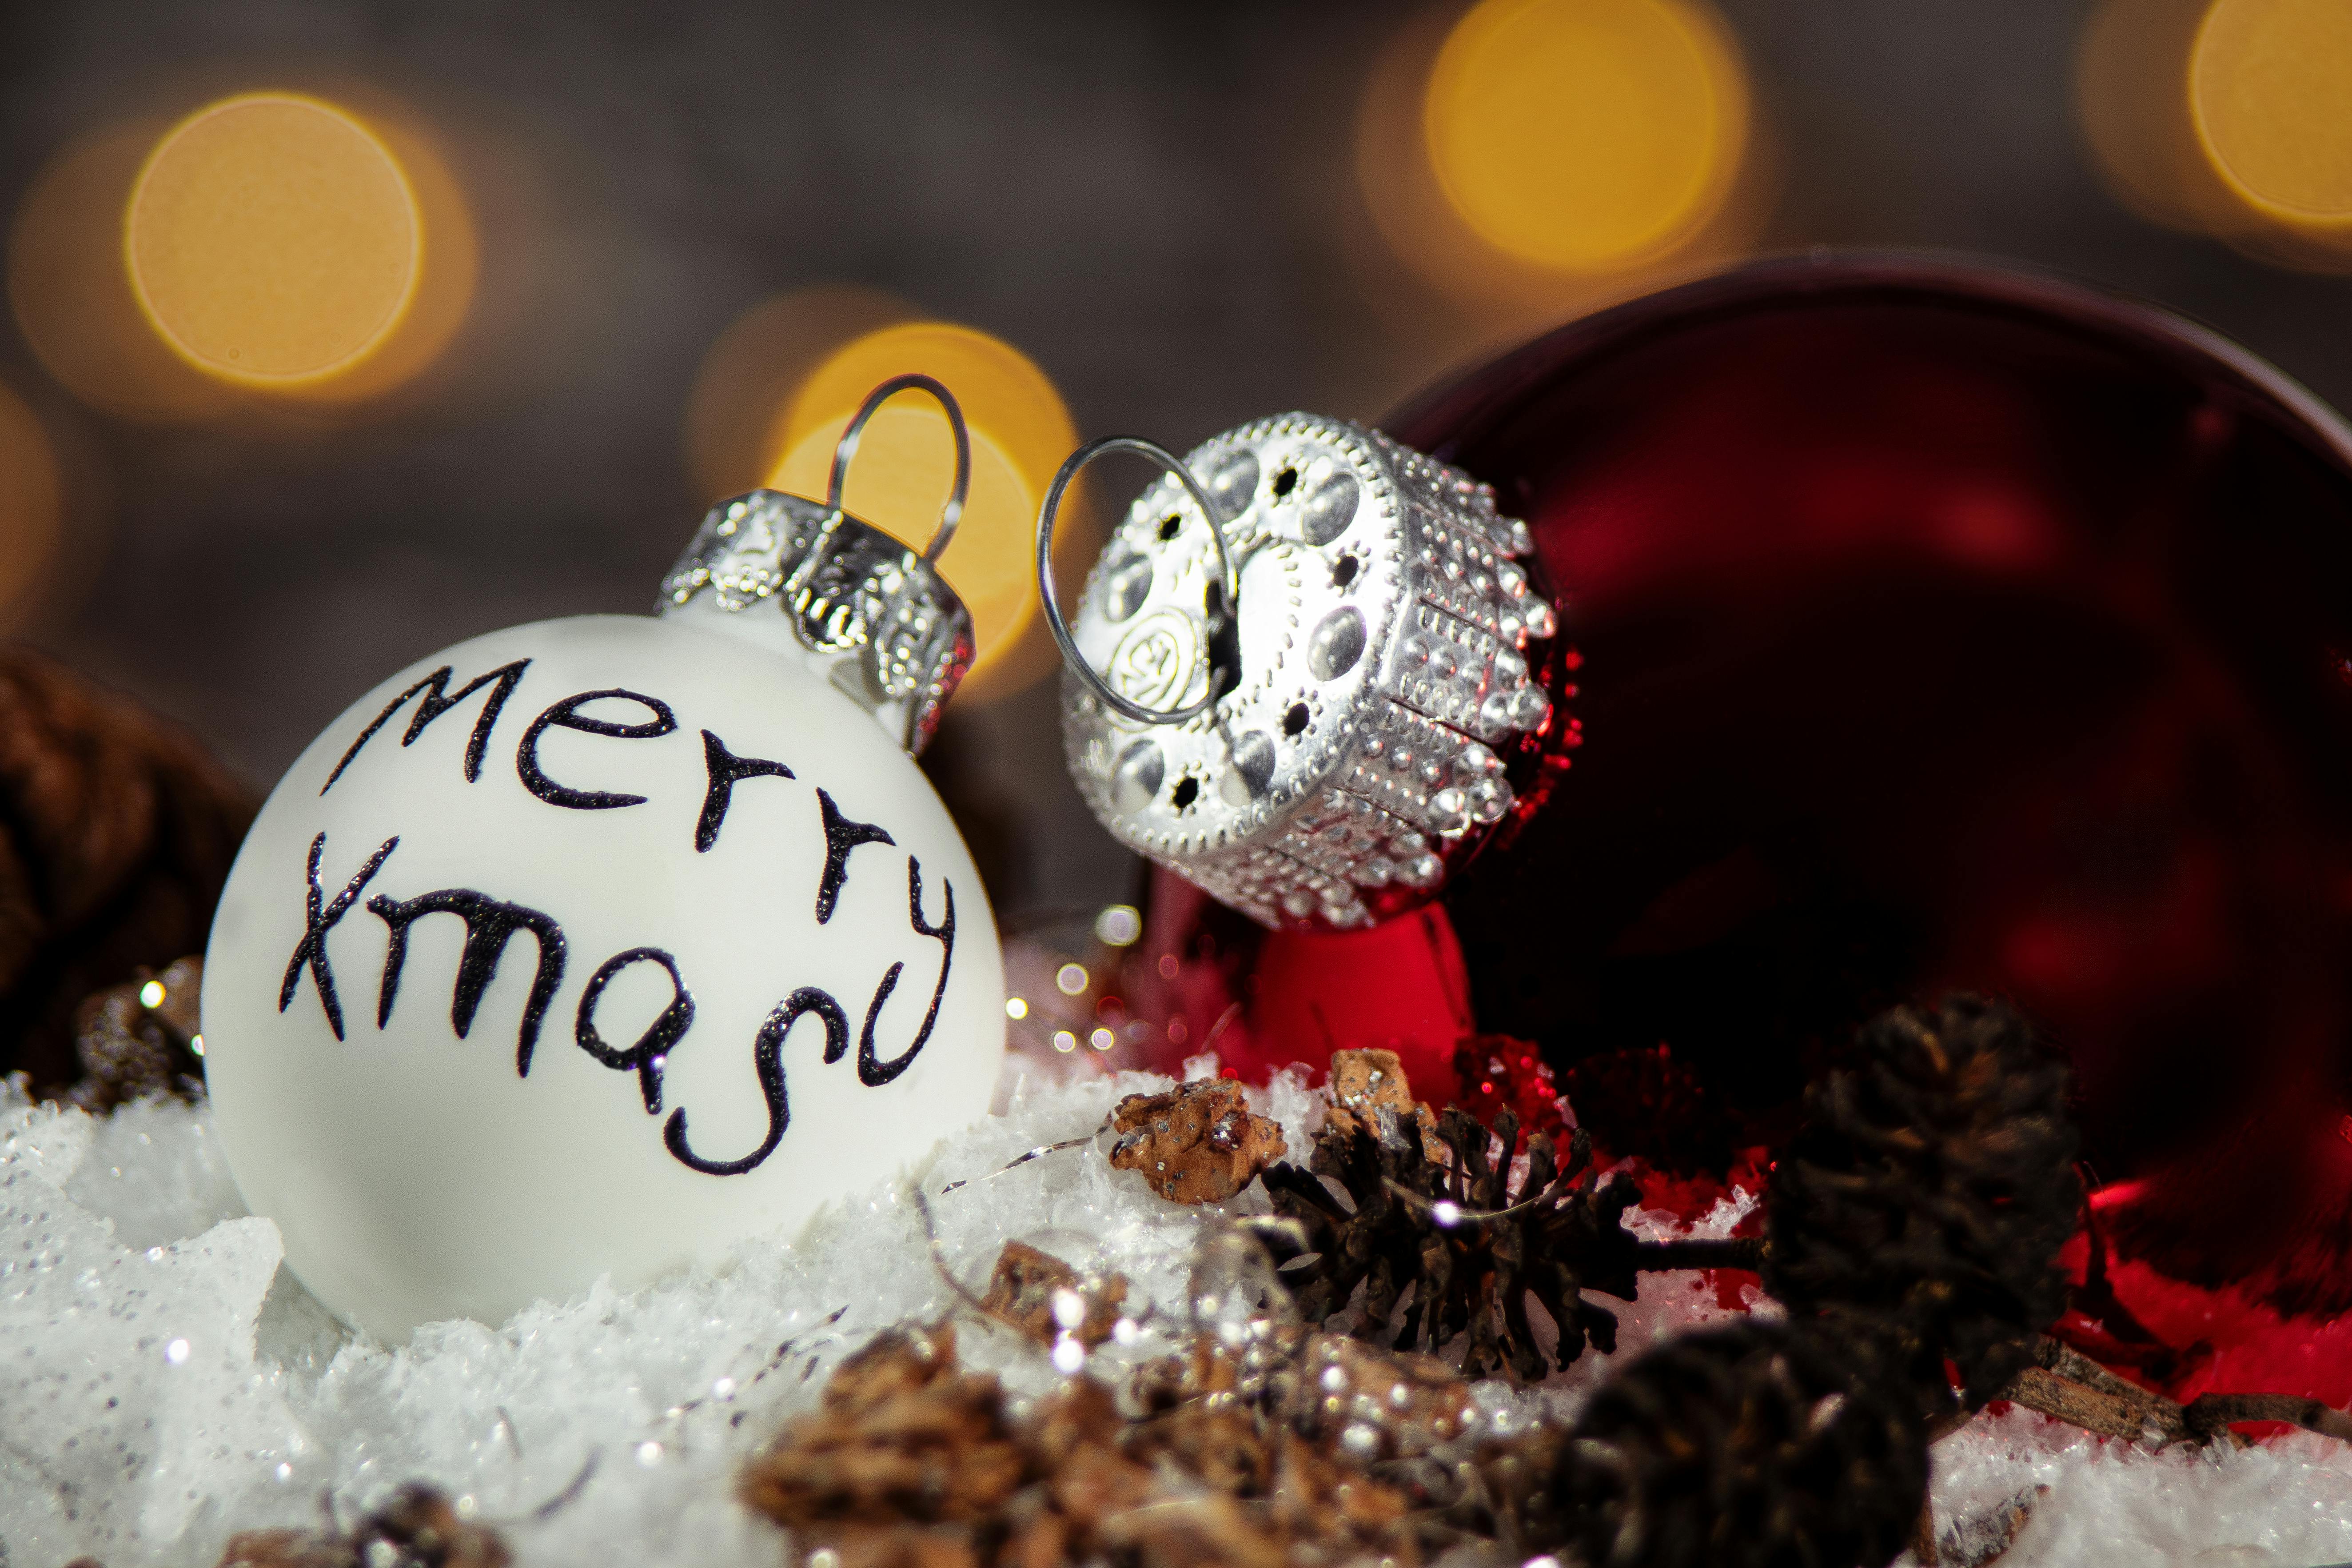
(587, 949)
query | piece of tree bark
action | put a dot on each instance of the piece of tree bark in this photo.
(2071, 1386)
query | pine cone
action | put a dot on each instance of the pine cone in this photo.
(140, 1039)
(418, 1528)
(904, 1438)
(1928, 1192)
(116, 833)
(1416, 1223)
(1757, 1445)
(1363, 1083)
(1335, 1391)
(912, 1463)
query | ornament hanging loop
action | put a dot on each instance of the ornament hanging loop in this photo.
(846, 450)
(1229, 576)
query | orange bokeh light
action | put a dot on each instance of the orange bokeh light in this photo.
(2131, 76)
(1529, 159)
(71, 293)
(280, 243)
(1585, 135)
(2222, 117)
(904, 463)
(1020, 433)
(1001, 391)
(273, 239)
(750, 375)
(2269, 88)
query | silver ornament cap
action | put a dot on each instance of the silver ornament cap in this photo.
(1316, 722)
(865, 612)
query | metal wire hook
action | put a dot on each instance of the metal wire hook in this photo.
(1229, 579)
(950, 514)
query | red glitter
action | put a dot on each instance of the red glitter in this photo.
(1492, 1072)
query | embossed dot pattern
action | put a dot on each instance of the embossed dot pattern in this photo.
(1381, 642)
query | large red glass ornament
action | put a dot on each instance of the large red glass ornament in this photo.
(1941, 626)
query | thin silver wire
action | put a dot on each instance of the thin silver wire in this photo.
(950, 514)
(1051, 510)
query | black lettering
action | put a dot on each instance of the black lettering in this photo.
(320, 917)
(651, 1053)
(841, 837)
(727, 770)
(768, 1059)
(437, 700)
(564, 715)
(489, 924)
(872, 1072)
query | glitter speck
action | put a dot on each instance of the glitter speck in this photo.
(152, 993)
(1069, 1307)
(1118, 925)
(724, 1387)
(176, 1351)
(1016, 1007)
(1069, 1355)
(1065, 1041)
(649, 1454)
(1071, 979)
(1102, 1039)
(284, 1471)
(1446, 1212)
(196, 1044)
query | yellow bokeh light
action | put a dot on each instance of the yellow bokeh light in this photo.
(2217, 119)
(31, 507)
(1447, 288)
(1585, 135)
(1001, 391)
(278, 242)
(71, 294)
(748, 375)
(2270, 88)
(2129, 79)
(906, 461)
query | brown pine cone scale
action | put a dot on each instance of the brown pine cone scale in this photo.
(1928, 1192)
(1757, 1445)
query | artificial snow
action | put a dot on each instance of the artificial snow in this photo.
(163, 1381)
